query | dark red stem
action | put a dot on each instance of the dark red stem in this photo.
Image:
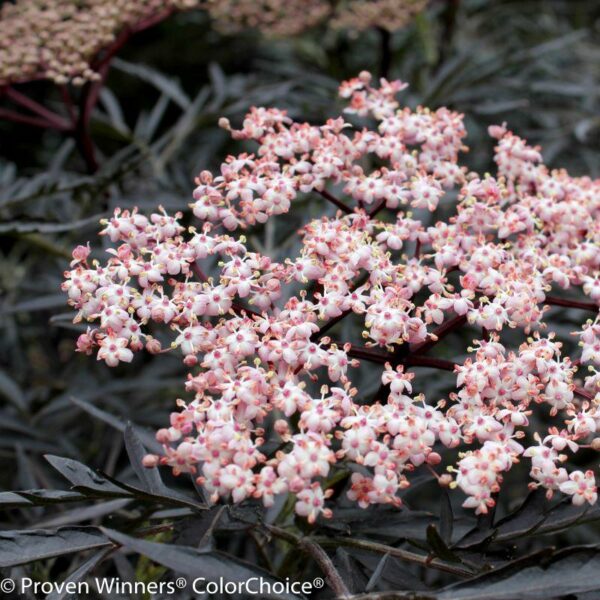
(331, 198)
(17, 117)
(591, 306)
(54, 119)
(440, 333)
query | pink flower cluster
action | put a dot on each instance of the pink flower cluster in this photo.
(257, 336)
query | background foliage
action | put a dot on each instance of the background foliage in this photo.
(532, 63)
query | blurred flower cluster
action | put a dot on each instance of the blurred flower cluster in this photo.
(60, 39)
(57, 39)
(257, 338)
(284, 18)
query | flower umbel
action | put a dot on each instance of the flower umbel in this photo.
(258, 348)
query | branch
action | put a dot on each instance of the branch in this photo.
(91, 90)
(336, 583)
(581, 392)
(368, 354)
(332, 322)
(335, 201)
(68, 101)
(313, 549)
(413, 360)
(406, 555)
(591, 306)
(375, 210)
(385, 58)
(17, 117)
(440, 333)
(327, 326)
(55, 119)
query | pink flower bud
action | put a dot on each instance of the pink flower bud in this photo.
(433, 458)
(281, 427)
(80, 253)
(85, 343)
(190, 360)
(153, 346)
(497, 131)
(445, 480)
(150, 460)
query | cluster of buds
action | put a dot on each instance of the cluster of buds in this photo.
(273, 403)
(62, 40)
(281, 18)
(58, 39)
(391, 15)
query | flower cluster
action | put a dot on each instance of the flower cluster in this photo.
(57, 39)
(284, 18)
(60, 40)
(273, 405)
(391, 15)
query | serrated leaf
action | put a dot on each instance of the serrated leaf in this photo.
(41, 303)
(167, 496)
(523, 520)
(13, 500)
(197, 530)
(193, 562)
(22, 547)
(350, 571)
(149, 477)
(85, 513)
(377, 573)
(42, 227)
(446, 517)
(44, 497)
(438, 546)
(85, 479)
(148, 440)
(10, 390)
(167, 85)
(542, 576)
(79, 574)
